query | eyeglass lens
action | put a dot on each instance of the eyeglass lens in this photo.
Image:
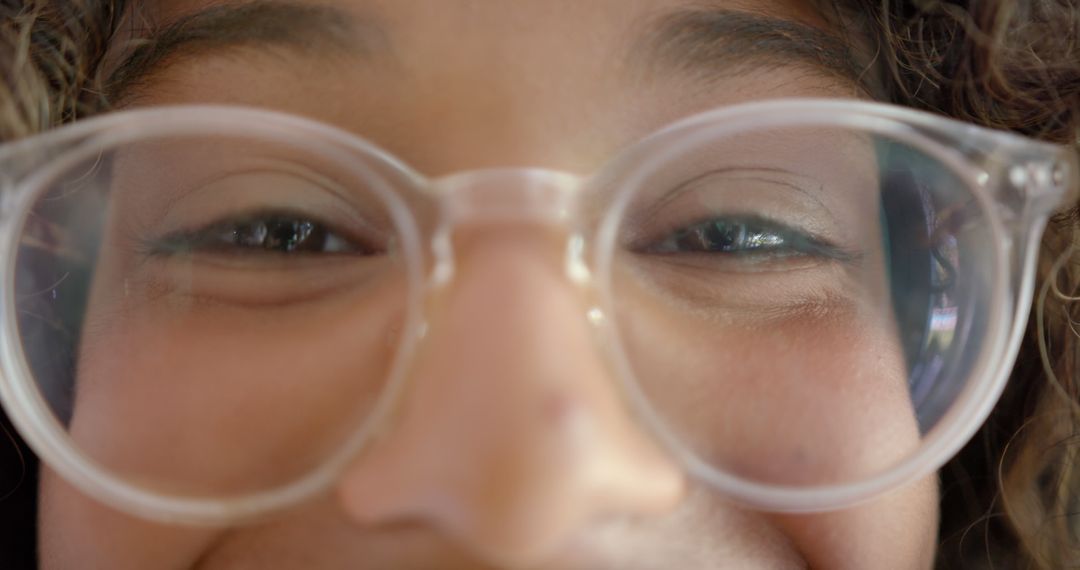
(216, 315)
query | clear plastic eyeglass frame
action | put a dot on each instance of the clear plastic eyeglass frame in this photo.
(1018, 182)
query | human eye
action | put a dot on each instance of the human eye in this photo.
(262, 237)
(271, 234)
(741, 220)
(746, 239)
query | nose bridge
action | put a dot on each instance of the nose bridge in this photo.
(526, 337)
(514, 197)
(495, 195)
(507, 235)
(512, 432)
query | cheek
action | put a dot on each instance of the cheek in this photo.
(77, 532)
(193, 397)
(896, 530)
(817, 396)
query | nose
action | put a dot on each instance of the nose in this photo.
(511, 435)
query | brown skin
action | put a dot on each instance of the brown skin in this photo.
(569, 480)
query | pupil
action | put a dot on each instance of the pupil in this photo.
(280, 235)
(724, 237)
(728, 237)
(715, 236)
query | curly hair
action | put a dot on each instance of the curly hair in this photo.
(50, 55)
(1011, 497)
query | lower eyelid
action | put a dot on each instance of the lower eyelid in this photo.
(260, 283)
(697, 285)
(727, 264)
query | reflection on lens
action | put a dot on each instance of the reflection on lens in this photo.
(798, 304)
(210, 316)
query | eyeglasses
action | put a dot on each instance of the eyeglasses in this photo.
(208, 311)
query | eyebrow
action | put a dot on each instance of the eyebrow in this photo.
(705, 42)
(298, 28)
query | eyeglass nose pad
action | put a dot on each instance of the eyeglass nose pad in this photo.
(532, 196)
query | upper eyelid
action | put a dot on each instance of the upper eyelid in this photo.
(792, 188)
(347, 208)
(759, 173)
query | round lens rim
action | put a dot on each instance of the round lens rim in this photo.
(982, 388)
(31, 413)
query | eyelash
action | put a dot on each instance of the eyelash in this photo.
(748, 237)
(265, 233)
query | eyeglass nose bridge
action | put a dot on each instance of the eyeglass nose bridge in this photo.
(505, 196)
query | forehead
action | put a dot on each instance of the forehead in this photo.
(522, 73)
(515, 35)
(441, 14)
